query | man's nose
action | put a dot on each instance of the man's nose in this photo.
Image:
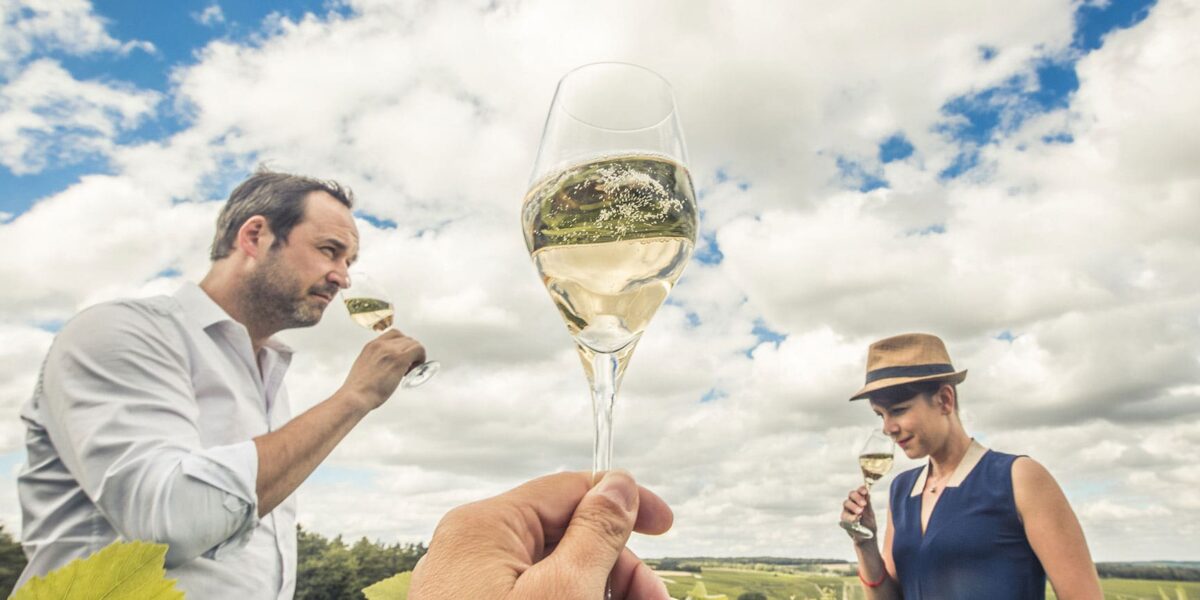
(340, 276)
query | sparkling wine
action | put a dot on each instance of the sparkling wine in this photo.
(610, 238)
(371, 313)
(875, 466)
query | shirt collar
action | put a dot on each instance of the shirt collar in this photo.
(202, 310)
(974, 453)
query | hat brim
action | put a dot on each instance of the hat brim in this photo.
(875, 386)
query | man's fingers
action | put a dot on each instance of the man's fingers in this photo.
(654, 517)
(633, 580)
(598, 530)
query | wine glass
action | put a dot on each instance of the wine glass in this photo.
(368, 305)
(609, 218)
(875, 459)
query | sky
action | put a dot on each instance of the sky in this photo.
(1022, 179)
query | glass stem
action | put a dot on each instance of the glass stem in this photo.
(867, 484)
(604, 392)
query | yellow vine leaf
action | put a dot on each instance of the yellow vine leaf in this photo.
(392, 588)
(120, 571)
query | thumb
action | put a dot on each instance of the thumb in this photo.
(598, 531)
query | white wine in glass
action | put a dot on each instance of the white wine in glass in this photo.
(368, 305)
(610, 218)
(875, 459)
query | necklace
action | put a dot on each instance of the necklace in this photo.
(934, 483)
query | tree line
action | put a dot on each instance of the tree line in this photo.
(1156, 571)
(330, 568)
(327, 569)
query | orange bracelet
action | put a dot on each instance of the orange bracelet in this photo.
(868, 583)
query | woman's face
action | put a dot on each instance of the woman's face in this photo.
(918, 425)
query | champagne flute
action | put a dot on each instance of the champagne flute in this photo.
(609, 219)
(367, 302)
(875, 460)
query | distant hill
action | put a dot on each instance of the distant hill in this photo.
(754, 560)
(1166, 570)
(1160, 570)
(694, 564)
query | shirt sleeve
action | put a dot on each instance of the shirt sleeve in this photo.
(119, 406)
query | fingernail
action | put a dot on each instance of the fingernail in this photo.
(619, 487)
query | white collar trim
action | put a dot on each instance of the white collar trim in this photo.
(974, 453)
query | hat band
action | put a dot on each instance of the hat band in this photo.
(909, 371)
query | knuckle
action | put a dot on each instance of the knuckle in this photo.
(606, 520)
(460, 526)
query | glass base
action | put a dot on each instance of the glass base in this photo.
(420, 374)
(857, 528)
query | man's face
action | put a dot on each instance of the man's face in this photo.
(295, 281)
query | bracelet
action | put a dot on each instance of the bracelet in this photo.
(868, 583)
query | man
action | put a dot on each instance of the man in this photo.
(166, 418)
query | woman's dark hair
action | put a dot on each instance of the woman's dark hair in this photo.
(277, 196)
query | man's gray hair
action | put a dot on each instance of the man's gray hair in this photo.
(277, 196)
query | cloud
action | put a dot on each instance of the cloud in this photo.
(46, 114)
(70, 26)
(1061, 269)
(211, 15)
(51, 116)
(20, 358)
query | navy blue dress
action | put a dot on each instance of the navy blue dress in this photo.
(974, 547)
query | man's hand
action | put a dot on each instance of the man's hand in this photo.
(380, 366)
(858, 502)
(554, 537)
(288, 455)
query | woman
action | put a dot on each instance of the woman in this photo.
(973, 524)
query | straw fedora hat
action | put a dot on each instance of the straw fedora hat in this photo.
(908, 358)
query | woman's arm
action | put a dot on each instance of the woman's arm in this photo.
(1054, 532)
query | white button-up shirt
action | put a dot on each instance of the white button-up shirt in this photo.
(140, 428)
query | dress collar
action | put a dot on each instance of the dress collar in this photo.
(974, 453)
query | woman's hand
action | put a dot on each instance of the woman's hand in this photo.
(858, 504)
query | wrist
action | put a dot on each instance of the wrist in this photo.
(356, 402)
(867, 582)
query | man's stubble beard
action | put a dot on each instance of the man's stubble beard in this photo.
(276, 301)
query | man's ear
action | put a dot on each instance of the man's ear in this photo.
(254, 237)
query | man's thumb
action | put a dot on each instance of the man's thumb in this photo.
(599, 528)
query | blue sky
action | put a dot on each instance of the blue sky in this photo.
(1016, 179)
(996, 110)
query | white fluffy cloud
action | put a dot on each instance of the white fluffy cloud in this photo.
(46, 114)
(49, 115)
(68, 25)
(1061, 274)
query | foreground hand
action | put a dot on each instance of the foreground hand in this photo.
(858, 502)
(383, 362)
(554, 537)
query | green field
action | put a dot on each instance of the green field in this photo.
(797, 584)
(734, 582)
(810, 586)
